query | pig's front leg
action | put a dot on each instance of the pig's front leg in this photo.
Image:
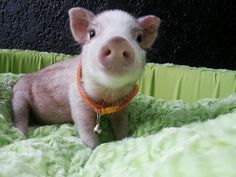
(85, 121)
(119, 123)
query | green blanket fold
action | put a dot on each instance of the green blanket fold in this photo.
(166, 139)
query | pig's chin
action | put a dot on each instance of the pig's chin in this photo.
(117, 82)
(116, 76)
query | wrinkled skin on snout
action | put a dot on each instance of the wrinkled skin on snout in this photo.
(112, 60)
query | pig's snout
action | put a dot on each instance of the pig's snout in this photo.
(117, 52)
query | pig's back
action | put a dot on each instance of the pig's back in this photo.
(48, 91)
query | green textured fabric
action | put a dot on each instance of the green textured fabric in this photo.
(166, 81)
(166, 139)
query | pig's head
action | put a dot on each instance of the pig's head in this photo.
(113, 53)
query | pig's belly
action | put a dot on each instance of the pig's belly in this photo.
(51, 114)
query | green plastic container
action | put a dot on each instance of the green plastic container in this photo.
(166, 81)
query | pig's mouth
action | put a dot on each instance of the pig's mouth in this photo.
(116, 70)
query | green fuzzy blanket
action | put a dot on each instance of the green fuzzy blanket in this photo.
(166, 139)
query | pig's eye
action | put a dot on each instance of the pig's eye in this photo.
(92, 33)
(139, 38)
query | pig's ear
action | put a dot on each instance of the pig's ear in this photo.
(150, 25)
(79, 22)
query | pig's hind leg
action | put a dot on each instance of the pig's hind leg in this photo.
(20, 109)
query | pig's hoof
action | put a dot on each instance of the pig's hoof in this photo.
(92, 145)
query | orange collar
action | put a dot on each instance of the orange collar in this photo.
(98, 108)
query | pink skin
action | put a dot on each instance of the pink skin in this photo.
(51, 96)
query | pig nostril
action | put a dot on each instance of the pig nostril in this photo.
(105, 56)
(107, 52)
(126, 54)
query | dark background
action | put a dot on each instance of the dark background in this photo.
(193, 32)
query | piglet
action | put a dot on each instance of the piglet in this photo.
(111, 61)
